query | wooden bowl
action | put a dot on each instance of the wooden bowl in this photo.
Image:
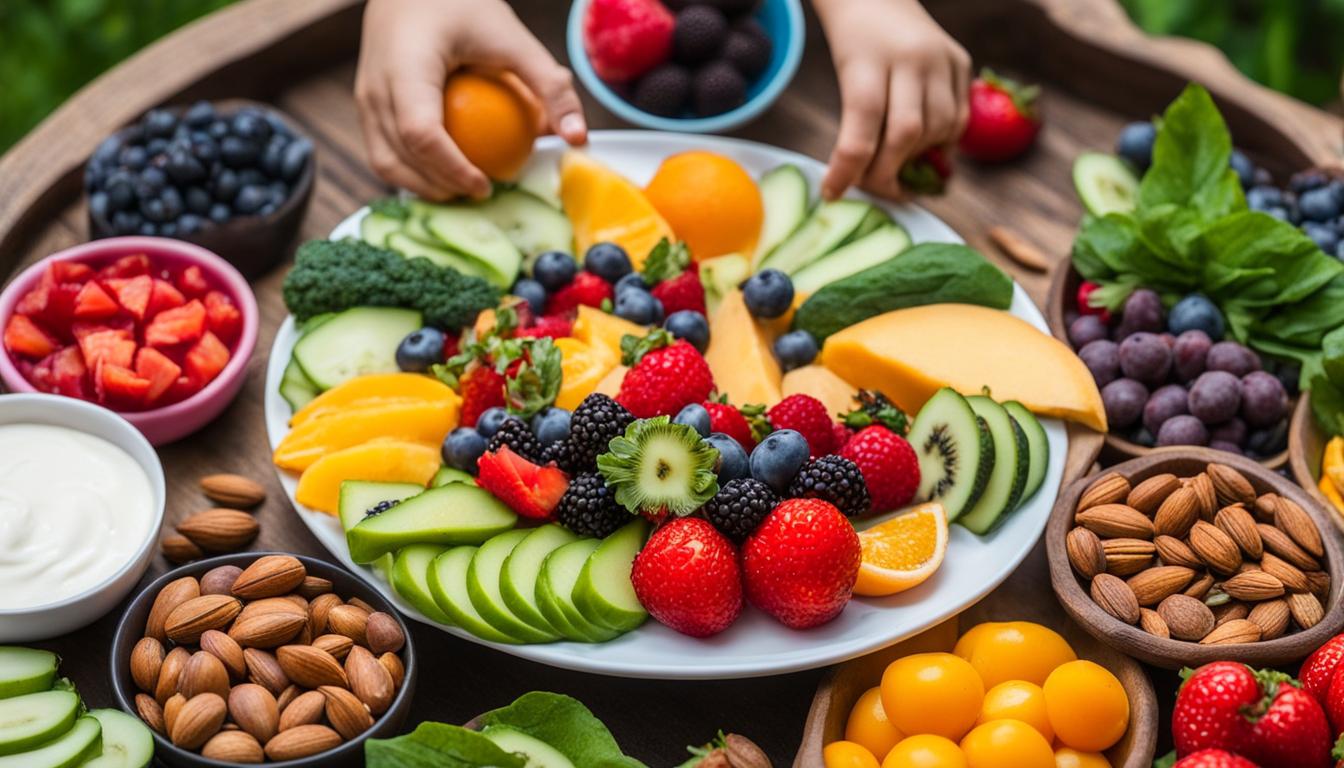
(253, 244)
(1306, 444)
(1186, 461)
(843, 685)
(1063, 285)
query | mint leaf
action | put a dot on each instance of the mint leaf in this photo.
(1257, 260)
(438, 745)
(1308, 321)
(1190, 159)
(565, 724)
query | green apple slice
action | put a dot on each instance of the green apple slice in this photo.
(447, 475)
(77, 745)
(555, 590)
(518, 580)
(604, 594)
(29, 720)
(410, 579)
(127, 742)
(25, 670)
(456, 513)
(539, 754)
(448, 584)
(483, 589)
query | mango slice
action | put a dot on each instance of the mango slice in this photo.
(378, 386)
(740, 356)
(415, 421)
(390, 461)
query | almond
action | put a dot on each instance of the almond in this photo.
(233, 490)
(1086, 554)
(392, 663)
(254, 709)
(1148, 495)
(349, 620)
(1129, 547)
(1204, 494)
(1319, 582)
(1173, 551)
(1200, 587)
(1177, 513)
(369, 680)
(1235, 631)
(198, 720)
(264, 670)
(272, 605)
(179, 549)
(310, 667)
(1265, 507)
(1306, 610)
(288, 696)
(169, 673)
(346, 713)
(1110, 488)
(233, 747)
(223, 647)
(337, 645)
(1156, 584)
(1215, 548)
(303, 741)
(1293, 520)
(1281, 544)
(1116, 521)
(1115, 597)
(1230, 486)
(203, 673)
(1152, 623)
(1126, 565)
(1271, 616)
(150, 711)
(384, 633)
(1253, 586)
(318, 609)
(305, 709)
(1294, 580)
(1187, 618)
(355, 601)
(1238, 524)
(171, 708)
(313, 586)
(299, 601)
(269, 576)
(173, 594)
(1229, 610)
(220, 530)
(188, 620)
(267, 630)
(146, 660)
(219, 581)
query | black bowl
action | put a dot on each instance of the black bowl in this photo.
(351, 753)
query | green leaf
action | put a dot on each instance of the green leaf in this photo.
(1190, 159)
(438, 745)
(1327, 405)
(1306, 322)
(1258, 260)
(1106, 247)
(537, 382)
(665, 261)
(1165, 761)
(565, 724)
(1332, 356)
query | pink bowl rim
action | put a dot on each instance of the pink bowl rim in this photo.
(217, 269)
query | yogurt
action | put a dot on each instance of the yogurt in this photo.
(74, 510)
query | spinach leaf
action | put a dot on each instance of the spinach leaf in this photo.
(1190, 159)
(438, 745)
(1257, 260)
(565, 724)
(1306, 322)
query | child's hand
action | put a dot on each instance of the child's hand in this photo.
(408, 50)
(903, 88)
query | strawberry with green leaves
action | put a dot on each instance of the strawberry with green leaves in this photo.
(1003, 119)
(674, 277)
(499, 369)
(665, 375)
(1264, 716)
(747, 424)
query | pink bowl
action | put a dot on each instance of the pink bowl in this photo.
(171, 422)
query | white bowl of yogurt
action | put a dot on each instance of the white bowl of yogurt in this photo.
(81, 503)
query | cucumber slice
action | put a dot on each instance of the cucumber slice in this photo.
(483, 577)
(296, 387)
(355, 342)
(1105, 183)
(1038, 446)
(473, 235)
(883, 244)
(785, 195)
(127, 742)
(518, 577)
(604, 594)
(540, 178)
(529, 223)
(720, 276)
(555, 590)
(828, 227)
(448, 585)
(447, 475)
(1012, 460)
(956, 453)
(357, 497)
(376, 227)
(77, 745)
(412, 248)
(539, 754)
(25, 670)
(34, 718)
(410, 578)
(875, 219)
(452, 514)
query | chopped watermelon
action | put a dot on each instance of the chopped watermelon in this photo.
(159, 369)
(25, 337)
(119, 385)
(206, 359)
(182, 325)
(112, 346)
(69, 272)
(53, 303)
(163, 296)
(223, 318)
(62, 373)
(81, 328)
(132, 293)
(192, 282)
(127, 266)
(93, 302)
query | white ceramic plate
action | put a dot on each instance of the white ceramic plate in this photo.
(756, 645)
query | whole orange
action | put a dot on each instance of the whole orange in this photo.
(711, 202)
(493, 119)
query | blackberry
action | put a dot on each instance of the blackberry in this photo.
(834, 479)
(381, 507)
(516, 434)
(664, 91)
(716, 88)
(589, 508)
(740, 506)
(592, 425)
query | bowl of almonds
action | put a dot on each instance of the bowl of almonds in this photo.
(263, 658)
(1190, 555)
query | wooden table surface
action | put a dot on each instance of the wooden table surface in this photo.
(255, 52)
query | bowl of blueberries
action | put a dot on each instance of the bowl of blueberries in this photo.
(233, 176)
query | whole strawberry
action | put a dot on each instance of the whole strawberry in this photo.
(1003, 121)
(928, 173)
(481, 388)
(1214, 758)
(681, 292)
(1318, 670)
(554, 326)
(1084, 299)
(665, 375)
(889, 466)
(1334, 701)
(626, 38)
(808, 416)
(735, 422)
(687, 577)
(841, 435)
(587, 289)
(1208, 711)
(1289, 728)
(801, 562)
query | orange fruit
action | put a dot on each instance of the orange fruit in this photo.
(391, 461)
(903, 551)
(1013, 650)
(1000, 743)
(711, 202)
(925, 751)
(603, 206)
(1068, 757)
(1087, 705)
(847, 754)
(1017, 700)
(493, 119)
(934, 693)
(868, 724)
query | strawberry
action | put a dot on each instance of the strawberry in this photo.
(800, 563)
(1288, 726)
(807, 415)
(841, 435)
(530, 490)
(1208, 710)
(1318, 670)
(742, 424)
(687, 577)
(1085, 307)
(1003, 121)
(481, 388)
(554, 326)
(1214, 758)
(681, 292)
(889, 466)
(587, 289)
(665, 375)
(1333, 701)
(626, 38)
(25, 337)
(928, 173)
(113, 345)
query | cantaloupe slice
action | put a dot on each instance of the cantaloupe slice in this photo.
(597, 328)
(390, 461)
(611, 383)
(581, 368)
(604, 206)
(909, 353)
(416, 421)
(739, 354)
(388, 386)
(820, 382)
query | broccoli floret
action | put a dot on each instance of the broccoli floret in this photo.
(335, 275)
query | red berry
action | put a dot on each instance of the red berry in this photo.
(530, 490)
(1003, 122)
(681, 292)
(728, 419)
(801, 562)
(587, 290)
(626, 38)
(481, 388)
(687, 577)
(1291, 731)
(554, 326)
(665, 379)
(1319, 669)
(1214, 758)
(1085, 290)
(841, 434)
(25, 337)
(807, 415)
(889, 465)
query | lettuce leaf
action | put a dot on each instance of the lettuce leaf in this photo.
(438, 745)
(565, 724)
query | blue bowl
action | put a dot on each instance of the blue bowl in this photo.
(783, 22)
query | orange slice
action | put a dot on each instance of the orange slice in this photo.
(902, 552)
(604, 206)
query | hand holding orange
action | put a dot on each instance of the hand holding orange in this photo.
(493, 119)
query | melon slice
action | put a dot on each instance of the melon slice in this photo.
(820, 382)
(740, 356)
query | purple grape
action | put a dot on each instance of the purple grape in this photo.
(1264, 401)
(1087, 329)
(1102, 358)
(1231, 431)
(1145, 358)
(1166, 403)
(1225, 446)
(1183, 430)
(1123, 400)
(1192, 348)
(1142, 312)
(1232, 357)
(1215, 397)
(1268, 441)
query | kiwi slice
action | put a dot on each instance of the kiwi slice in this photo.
(658, 467)
(1012, 461)
(1038, 444)
(955, 450)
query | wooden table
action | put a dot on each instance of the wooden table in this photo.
(1098, 71)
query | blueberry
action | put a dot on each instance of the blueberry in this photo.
(250, 199)
(252, 176)
(1319, 204)
(120, 190)
(249, 124)
(1263, 177)
(172, 202)
(768, 293)
(777, 458)
(197, 200)
(156, 147)
(150, 183)
(267, 209)
(420, 349)
(554, 270)
(98, 206)
(694, 416)
(689, 325)
(189, 224)
(795, 349)
(133, 158)
(218, 129)
(148, 229)
(273, 154)
(226, 185)
(152, 209)
(490, 420)
(733, 461)
(531, 291)
(1268, 441)
(1279, 212)
(462, 447)
(1243, 166)
(107, 151)
(1197, 312)
(1308, 179)
(1339, 250)
(279, 192)
(632, 280)
(125, 222)
(95, 174)
(220, 213)
(159, 123)
(1136, 144)
(168, 229)
(277, 124)
(199, 115)
(205, 149)
(551, 425)
(639, 307)
(608, 261)
(295, 159)
(1324, 235)
(1260, 198)
(238, 152)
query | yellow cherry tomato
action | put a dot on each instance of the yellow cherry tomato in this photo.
(1002, 743)
(925, 751)
(934, 693)
(847, 754)
(1013, 650)
(1017, 700)
(1067, 757)
(1087, 706)
(868, 724)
